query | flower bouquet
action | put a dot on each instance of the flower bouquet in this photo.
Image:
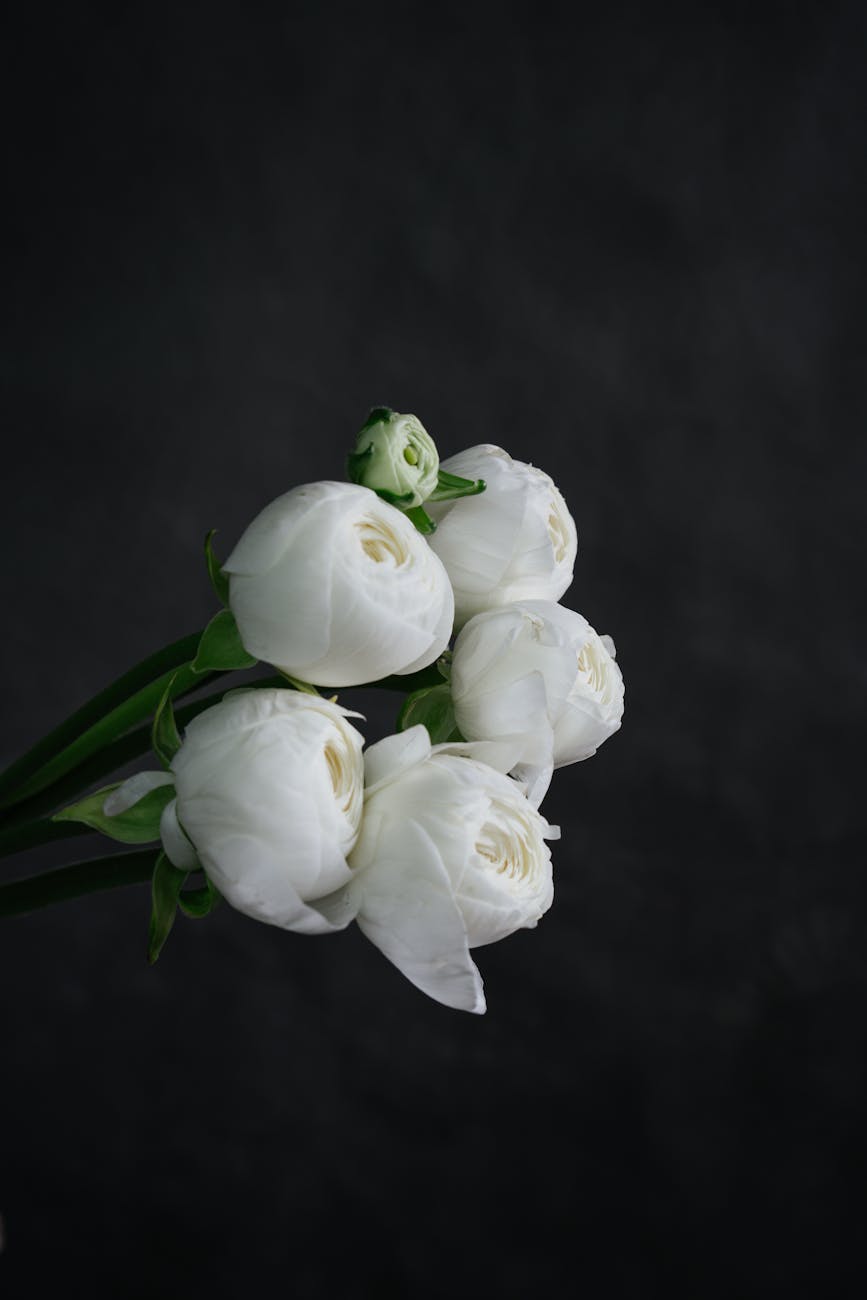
(431, 839)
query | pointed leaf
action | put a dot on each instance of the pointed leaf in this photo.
(165, 739)
(139, 824)
(199, 902)
(165, 889)
(220, 649)
(219, 579)
(449, 487)
(296, 683)
(422, 520)
(431, 706)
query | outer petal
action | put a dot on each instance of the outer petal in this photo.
(407, 909)
(132, 790)
(394, 754)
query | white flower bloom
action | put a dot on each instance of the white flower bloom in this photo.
(451, 855)
(515, 541)
(396, 453)
(536, 673)
(269, 798)
(335, 587)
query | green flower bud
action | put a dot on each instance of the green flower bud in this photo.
(396, 457)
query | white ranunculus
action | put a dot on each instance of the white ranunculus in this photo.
(537, 674)
(515, 541)
(395, 453)
(336, 587)
(451, 855)
(269, 792)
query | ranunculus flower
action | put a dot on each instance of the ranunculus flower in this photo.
(336, 587)
(516, 541)
(269, 797)
(395, 453)
(537, 674)
(451, 855)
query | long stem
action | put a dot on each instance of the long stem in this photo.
(72, 882)
(120, 720)
(156, 665)
(121, 751)
(15, 839)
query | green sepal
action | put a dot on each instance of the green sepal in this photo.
(444, 665)
(398, 500)
(219, 579)
(449, 487)
(376, 415)
(296, 683)
(165, 739)
(166, 885)
(139, 824)
(422, 520)
(199, 902)
(220, 649)
(355, 461)
(432, 707)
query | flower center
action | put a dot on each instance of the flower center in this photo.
(558, 528)
(504, 842)
(340, 769)
(591, 670)
(379, 542)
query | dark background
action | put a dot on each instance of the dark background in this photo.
(626, 246)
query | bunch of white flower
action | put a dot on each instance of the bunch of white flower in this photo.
(430, 839)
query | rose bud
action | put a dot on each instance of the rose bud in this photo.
(269, 790)
(395, 455)
(514, 541)
(336, 587)
(537, 674)
(451, 856)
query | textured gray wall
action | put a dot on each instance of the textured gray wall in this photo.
(630, 250)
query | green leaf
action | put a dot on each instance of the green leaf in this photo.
(422, 520)
(296, 683)
(432, 707)
(199, 902)
(220, 649)
(166, 886)
(375, 416)
(165, 740)
(139, 824)
(399, 500)
(449, 487)
(219, 579)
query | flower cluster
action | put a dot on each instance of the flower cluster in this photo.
(431, 839)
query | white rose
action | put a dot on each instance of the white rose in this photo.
(539, 674)
(450, 856)
(336, 587)
(515, 541)
(269, 798)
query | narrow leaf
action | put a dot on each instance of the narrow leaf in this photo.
(449, 487)
(296, 683)
(165, 889)
(139, 824)
(422, 520)
(164, 733)
(199, 902)
(220, 649)
(432, 707)
(219, 579)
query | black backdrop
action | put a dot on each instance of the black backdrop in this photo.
(628, 248)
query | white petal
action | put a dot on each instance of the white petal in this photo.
(133, 790)
(395, 754)
(408, 911)
(179, 851)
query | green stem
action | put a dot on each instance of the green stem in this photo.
(120, 720)
(72, 882)
(15, 839)
(156, 665)
(117, 754)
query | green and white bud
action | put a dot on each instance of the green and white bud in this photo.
(396, 457)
